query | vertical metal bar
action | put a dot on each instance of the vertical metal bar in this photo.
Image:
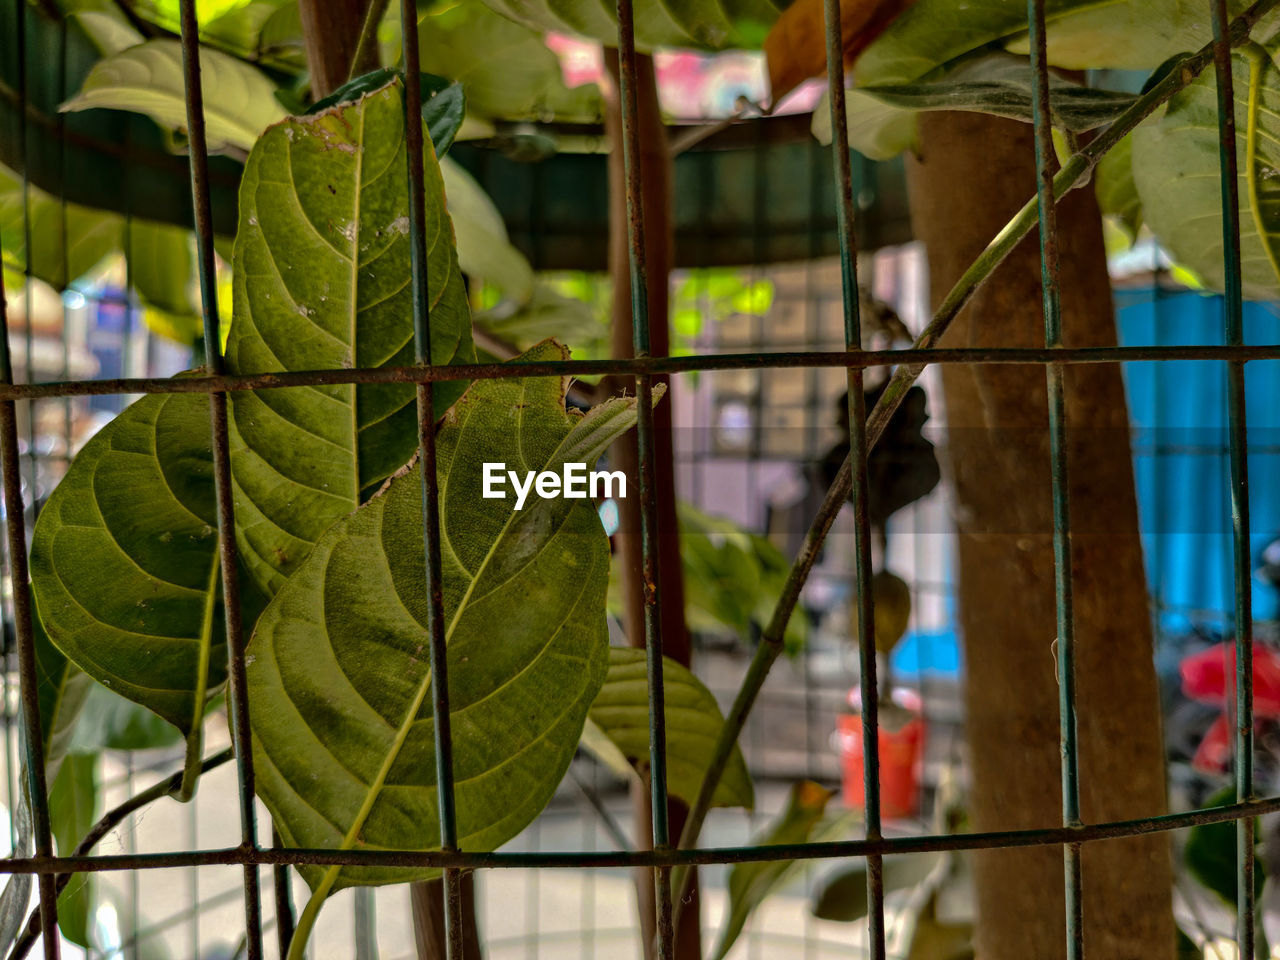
(281, 882)
(1237, 427)
(414, 144)
(16, 528)
(870, 694)
(1062, 570)
(227, 549)
(665, 928)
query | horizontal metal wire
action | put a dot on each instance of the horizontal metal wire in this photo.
(927, 843)
(634, 366)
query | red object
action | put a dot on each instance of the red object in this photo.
(1210, 677)
(901, 758)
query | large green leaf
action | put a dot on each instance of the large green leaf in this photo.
(507, 70)
(1175, 166)
(238, 100)
(110, 722)
(73, 809)
(997, 83)
(1116, 190)
(751, 883)
(620, 714)
(1082, 34)
(322, 281)
(67, 240)
(842, 895)
(161, 266)
(124, 561)
(337, 667)
(702, 24)
(484, 252)
(63, 689)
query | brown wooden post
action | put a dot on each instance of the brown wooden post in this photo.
(656, 174)
(972, 173)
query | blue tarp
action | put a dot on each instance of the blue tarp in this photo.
(1178, 410)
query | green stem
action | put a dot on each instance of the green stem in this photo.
(1258, 59)
(307, 921)
(195, 737)
(368, 36)
(1074, 172)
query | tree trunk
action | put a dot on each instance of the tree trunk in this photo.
(971, 175)
(656, 174)
(426, 900)
(330, 32)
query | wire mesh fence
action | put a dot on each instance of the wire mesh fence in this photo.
(44, 392)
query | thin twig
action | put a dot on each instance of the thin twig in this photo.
(1074, 171)
(109, 822)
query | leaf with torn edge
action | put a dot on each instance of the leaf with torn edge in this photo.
(322, 281)
(338, 665)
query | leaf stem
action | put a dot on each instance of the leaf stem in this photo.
(110, 820)
(1257, 57)
(368, 36)
(195, 737)
(1074, 172)
(307, 921)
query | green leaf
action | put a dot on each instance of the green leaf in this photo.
(546, 314)
(124, 561)
(110, 722)
(751, 883)
(443, 104)
(110, 32)
(73, 810)
(238, 101)
(1117, 192)
(701, 24)
(842, 895)
(337, 667)
(67, 240)
(161, 266)
(63, 689)
(1175, 166)
(322, 281)
(506, 69)
(733, 577)
(16, 894)
(484, 252)
(1210, 853)
(1082, 34)
(995, 83)
(620, 713)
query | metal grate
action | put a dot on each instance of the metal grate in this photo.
(670, 857)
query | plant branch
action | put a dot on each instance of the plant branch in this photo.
(112, 819)
(1074, 172)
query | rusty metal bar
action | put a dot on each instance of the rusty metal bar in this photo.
(1056, 392)
(228, 552)
(415, 144)
(1242, 709)
(868, 686)
(639, 277)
